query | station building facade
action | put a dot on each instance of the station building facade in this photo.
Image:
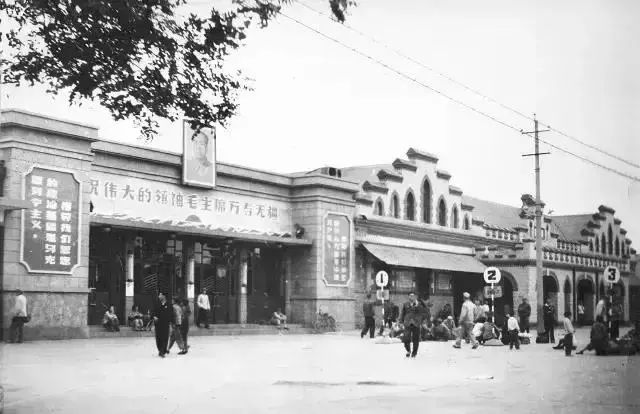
(89, 223)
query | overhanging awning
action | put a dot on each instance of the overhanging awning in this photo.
(427, 259)
(196, 229)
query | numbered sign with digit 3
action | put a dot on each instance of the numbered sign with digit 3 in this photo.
(492, 275)
(611, 274)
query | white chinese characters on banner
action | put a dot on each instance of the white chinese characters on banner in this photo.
(116, 195)
(337, 250)
(51, 225)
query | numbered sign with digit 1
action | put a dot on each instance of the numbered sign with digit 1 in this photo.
(492, 275)
(611, 274)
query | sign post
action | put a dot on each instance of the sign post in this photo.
(492, 275)
(382, 279)
(612, 274)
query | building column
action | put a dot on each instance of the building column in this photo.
(242, 294)
(287, 284)
(129, 300)
(190, 277)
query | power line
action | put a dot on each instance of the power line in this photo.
(464, 86)
(459, 102)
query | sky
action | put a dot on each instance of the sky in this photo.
(316, 103)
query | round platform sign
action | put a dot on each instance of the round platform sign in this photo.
(611, 274)
(492, 275)
(382, 278)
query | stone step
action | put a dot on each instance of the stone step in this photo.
(214, 330)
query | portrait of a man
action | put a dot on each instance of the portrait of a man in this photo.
(198, 163)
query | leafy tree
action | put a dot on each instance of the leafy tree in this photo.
(140, 59)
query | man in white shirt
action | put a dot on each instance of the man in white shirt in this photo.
(19, 317)
(514, 331)
(203, 309)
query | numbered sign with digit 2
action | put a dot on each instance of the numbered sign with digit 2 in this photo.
(611, 274)
(492, 275)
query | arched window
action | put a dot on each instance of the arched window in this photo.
(454, 217)
(603, 244)
(597, 245)
(610, 235)
(466, 222)
(410, 209)
(394, 206)
(617, 246)
(426, 201)
(590, 245)
(531, 228)
(442, 213)
(379, 208)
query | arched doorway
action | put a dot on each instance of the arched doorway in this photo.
(550, 290)
(586, 292)
(567, 296)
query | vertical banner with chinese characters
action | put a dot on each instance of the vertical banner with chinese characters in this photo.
(51, 227)
(337, 250)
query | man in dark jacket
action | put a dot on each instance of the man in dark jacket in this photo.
(549, 312)
(390, 315)
(524, 312)
(412, 315)
(369, 321)
(162, 316)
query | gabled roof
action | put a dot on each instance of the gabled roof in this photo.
(495, 214)
(570, 227)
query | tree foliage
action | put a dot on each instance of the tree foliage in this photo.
(141, 59)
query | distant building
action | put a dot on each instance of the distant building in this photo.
(90, 223)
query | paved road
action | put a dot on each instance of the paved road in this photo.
(311, 374)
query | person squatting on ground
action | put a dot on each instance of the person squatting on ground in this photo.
(279, 319)
(176, 332)
(489, 330)
(524, 313)
(450, 323)
(203, 309)
(599, 338)
(136, 319)
(19, 318)
(369, 320)
(567, 341)
(162, 316)
(477, 328)
(440, 332)
(549, 312)
(411, 317)
(514, 332)
(466, 322)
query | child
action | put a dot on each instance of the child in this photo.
(568, 334)
(513, 329)
(477, 328)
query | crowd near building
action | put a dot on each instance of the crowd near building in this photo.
(90, 224)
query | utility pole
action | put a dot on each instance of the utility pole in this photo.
(538, 215)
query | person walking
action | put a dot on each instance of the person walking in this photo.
(176, 331)
(411, 317)
(549, 315)
(369, 321)
(466, 322)
(162, 319)
(524, 312)
(580, 314)
(19, 318)
(203, 309)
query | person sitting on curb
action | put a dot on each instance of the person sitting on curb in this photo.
(135, 319)
(110, 320)
(279, 319)
(439, 332)
(450, 323)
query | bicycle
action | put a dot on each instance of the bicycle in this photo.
(324, 322)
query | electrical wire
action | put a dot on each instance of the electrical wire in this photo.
(464, 86)
(459, 102)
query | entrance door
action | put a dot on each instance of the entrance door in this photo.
(634, 303)
(106, 275)
(265, 285)
(585, 296)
